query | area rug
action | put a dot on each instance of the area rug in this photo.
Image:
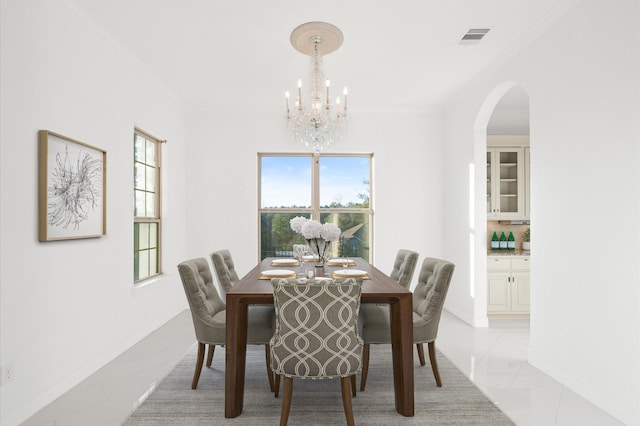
(457, 402)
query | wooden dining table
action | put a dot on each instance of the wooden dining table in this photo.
(376, 288)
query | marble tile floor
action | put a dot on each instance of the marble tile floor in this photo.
(493, 358)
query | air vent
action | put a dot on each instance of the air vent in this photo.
(474, 35)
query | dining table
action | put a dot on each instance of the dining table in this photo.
(255, 289)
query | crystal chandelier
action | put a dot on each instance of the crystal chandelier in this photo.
(317, 123)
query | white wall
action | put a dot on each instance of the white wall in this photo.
(584, 88)
(222, 175)
(69, 307)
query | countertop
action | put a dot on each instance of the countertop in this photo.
(508, 253)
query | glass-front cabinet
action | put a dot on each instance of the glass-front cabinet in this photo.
(505, 183)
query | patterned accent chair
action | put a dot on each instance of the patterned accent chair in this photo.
(209, 315)
(428, 300)
(316, 335)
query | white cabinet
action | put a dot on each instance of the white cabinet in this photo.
(505, 183)
(508, 285)
(508, 177)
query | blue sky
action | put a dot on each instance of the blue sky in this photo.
(286, 181)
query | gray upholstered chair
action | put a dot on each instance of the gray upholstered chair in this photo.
(316, 335)
(428, 300)
(403, 267)
(208, 312)
(261, 317)
(225, 270)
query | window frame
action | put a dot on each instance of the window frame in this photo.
(316, 211)
(157, 218)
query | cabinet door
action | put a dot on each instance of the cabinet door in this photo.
(520, 289)
(499, 292)
(505, 183)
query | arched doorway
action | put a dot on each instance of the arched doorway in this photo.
(504, 115)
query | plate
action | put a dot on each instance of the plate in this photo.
(284, 262)
(278, 273)
(350, 273)
(338, 262)
(309, 258)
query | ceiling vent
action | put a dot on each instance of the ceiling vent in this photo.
(474, 35)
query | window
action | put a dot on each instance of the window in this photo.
(325, 187)
(146, 225)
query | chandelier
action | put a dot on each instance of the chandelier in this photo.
(317, 123)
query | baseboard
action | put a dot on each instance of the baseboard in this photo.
(591, 395)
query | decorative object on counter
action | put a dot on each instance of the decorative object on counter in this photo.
(318, 236)
(503, 241)
(511, 242)
(526, 239)
(495, 242)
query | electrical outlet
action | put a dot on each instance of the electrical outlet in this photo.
(8, 373)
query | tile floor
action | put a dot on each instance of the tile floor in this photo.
(494, 358)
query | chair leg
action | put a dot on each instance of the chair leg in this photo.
(267, 355)
(286, 401)
(353, 385)
(199, 361)
(345, 384)
(421, 353)
(276, 386)
(365, 366)
(212, 348)
(434, 363)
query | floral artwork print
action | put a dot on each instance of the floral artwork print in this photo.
(72, 188)
(75, 189)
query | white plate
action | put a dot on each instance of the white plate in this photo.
(283, 261)
(338, 261)
(351, 273)
(277, 273)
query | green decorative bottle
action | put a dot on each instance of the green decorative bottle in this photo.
(503, 241)
(495, 243)
(511, 242)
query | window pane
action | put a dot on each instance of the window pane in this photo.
(143, 241)
(140, 209)
(150, 179)
(138, 148)
(153, 235)
(151, 153)
(277, 238)
(354, 239)
(286, 182)
(153, 261)
(344, 182)
(139, 175)
(150, 205)
(143, 268)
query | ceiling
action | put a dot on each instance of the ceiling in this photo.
(400, 54)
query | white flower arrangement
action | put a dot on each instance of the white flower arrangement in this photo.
(310, 228)
(318, 235)
(297, 222)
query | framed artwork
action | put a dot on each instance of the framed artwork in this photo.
(72, 194)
